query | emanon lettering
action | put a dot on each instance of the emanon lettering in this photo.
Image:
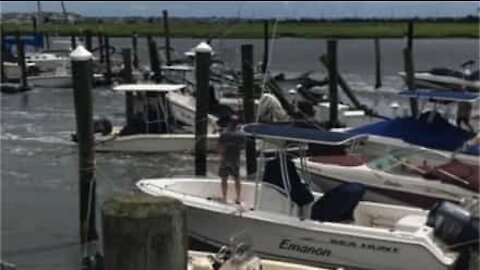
(292, 246)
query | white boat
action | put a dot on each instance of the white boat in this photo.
(147, 134)
(46, 62)
(59, 79)
(339, 231)
(12, 70)
(431, 80)
(417, 177)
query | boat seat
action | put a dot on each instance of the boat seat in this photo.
(410, 223)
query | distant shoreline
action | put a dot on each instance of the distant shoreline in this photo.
(255, 29)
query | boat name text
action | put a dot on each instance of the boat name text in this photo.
(290, 245)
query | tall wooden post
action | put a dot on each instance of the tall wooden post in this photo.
(135, 50)
(88, 40)
(128, 78)
(73, 42)
(333, 81)
(4, 53)
(46, 43)
(202, 74)
(100, 47)
(34, 25)
(142, 232)
(83, 99)
(154, 59)
(21, 61)
(410, 68)
(378, 68)
(248, 105)
(108, 77)
(167, 37)
(265, 46)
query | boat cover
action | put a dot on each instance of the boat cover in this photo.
(441, 95)
(289, 132)
(338, 204)
(299, 192)
(437, 134)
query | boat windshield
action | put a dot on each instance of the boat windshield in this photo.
(409, 161)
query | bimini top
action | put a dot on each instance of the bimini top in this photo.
(441, 95)
(163, 87)
(289, 132)
(437, 134)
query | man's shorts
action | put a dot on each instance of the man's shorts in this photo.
(228, 169)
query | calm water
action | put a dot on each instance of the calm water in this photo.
(39, 164)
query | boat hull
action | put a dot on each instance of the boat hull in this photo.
(317, 248)
(54, 81)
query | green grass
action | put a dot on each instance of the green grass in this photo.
(255, 30)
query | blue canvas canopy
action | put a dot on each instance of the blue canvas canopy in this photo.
(441, 95)
(35, 41)
(289, 132)
(437, 134)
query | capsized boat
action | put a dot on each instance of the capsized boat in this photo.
(286, 221)
(153, 129)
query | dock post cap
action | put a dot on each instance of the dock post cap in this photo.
(203, 47)
(81, 54)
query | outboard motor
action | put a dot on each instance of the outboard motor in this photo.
(102, 125)
(454, 225)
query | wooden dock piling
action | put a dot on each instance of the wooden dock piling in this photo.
(128, 78)
(167, 37)
(343, 84)
(154, 59)
(21, 62)
(100, 47)
(108, 64)
(142, 232)
(265, 46)
(248, 105)
(333, 82)
(88, 40)
(135, 50)
(4, 54)
(83, 101)
(202, 74)
(46, 42)
(410, 67)
(378, 70)
(73, 42)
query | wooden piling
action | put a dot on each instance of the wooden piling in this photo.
(154, 59)
(333, 81)
(34, 25)
(265, 46)
(202, 74)
(88, 40)
(248, 105)
(21, 61)
(100, 47)
(378, 71)
(135, 50)
(128, 78)
(4, 54)
(83, 101)
(343, 84)
(108, 66)
(73, 41)
(142, 232)
(46, 43)
(410, 67)
(167, 37)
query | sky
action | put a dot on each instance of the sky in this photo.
(255, 9)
